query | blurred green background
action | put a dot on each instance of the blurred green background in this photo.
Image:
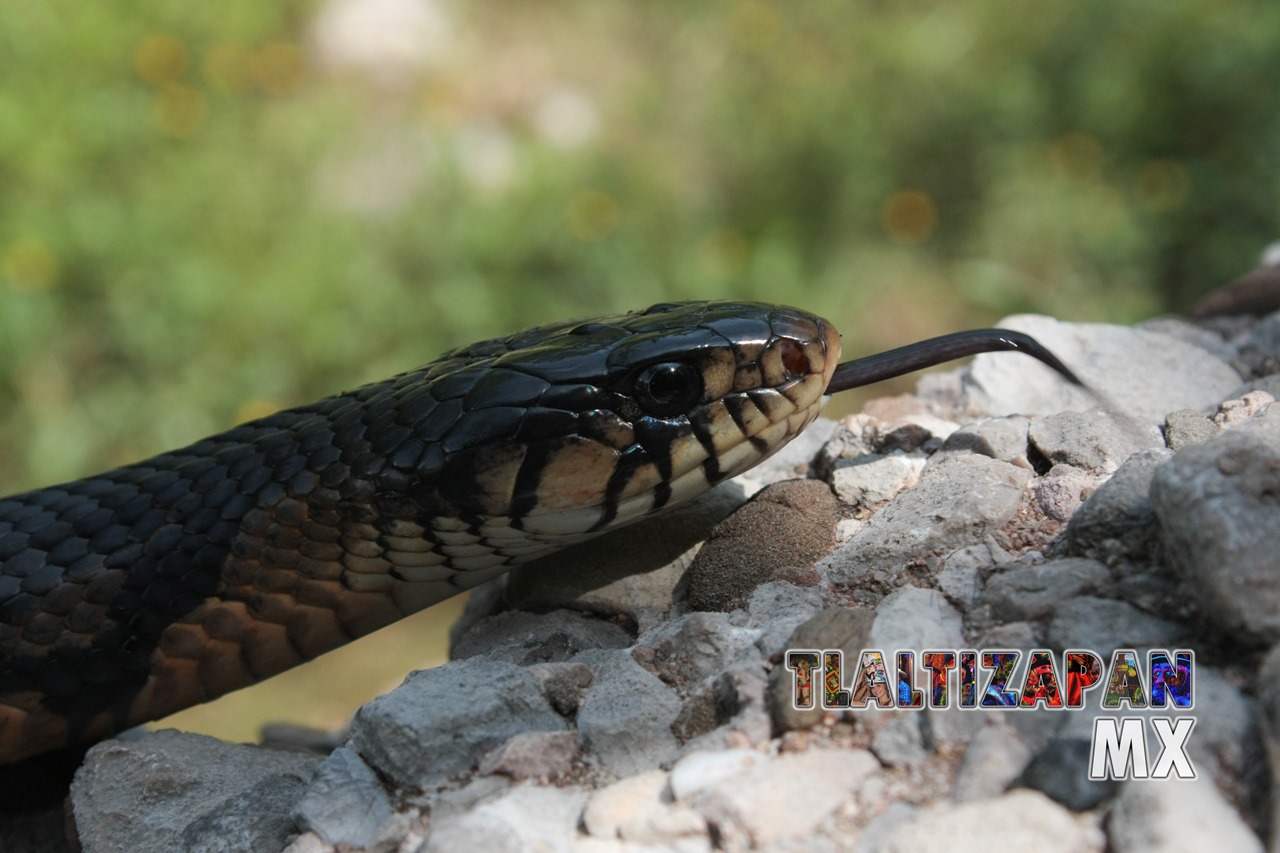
(209, 212)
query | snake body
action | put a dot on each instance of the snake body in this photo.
(140, 591)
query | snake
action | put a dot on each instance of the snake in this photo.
(132, 594)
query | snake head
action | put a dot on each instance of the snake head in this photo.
(569, 430)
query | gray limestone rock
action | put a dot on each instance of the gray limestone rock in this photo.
(900, 741)
(1187, 427)
(1003, 438)
(1095, 440)
(1104, 625)
(992, 761)
(914, 618)
(1034, 591)
(345, 802)
(869, 480)
(776, 609)
(1219, 509)
(844, 628)
(259, 818)
(1061, 772)
(958, 501)
(626, 715)
(759, 806)
(144, 794)
(439, 722)
(1118, 517)
(525, 818)
(1020, 820)
(527, 638)
(1170, 816)
(1145, 373)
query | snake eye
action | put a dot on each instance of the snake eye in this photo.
(668, 389)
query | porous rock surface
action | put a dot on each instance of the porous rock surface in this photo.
(593, 709)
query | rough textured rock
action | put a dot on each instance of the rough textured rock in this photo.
(441, 721)
(1186, 427)
(145, 794)
(1118, 517)
(525, 818)
(757, 806)
(1162, 816)
(1061, 772)
(1145, 373)
(626, 715)
(1033, 592)
(1104, 625)
(527, 638)
(345, 802)
(1096, 440)
(956, 503)
(1003, 438)
(1219, 510)
(1021, 820)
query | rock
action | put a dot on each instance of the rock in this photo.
(1120, 512)
(640, 809)
(759, 806)
(869, 480)
(525, 818)
(700, 770)
(345, 802)
(1019, 820)
(1000, 438)
(626, 715)
(1061, 772)
(259, 818)
(538, 756)
(993, 759)
(1235, 412)
(961, 577)
(631, 572)
(144, 794)
(844, 628)
(900, 742)
(440, 721)
(563, 684)
(1163, 816)
(914, 618)
(777, 609)
(1217, 506)
(1034, 591)
(1096, 440)
(699, 646)
(1060, 492)
(958, 501)
(1148, 374)
(527, 638)
(779, 534)
(1104, 625)
(1187, 427)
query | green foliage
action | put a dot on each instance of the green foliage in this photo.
(203, 214)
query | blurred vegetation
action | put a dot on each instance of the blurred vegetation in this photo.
(210, 212)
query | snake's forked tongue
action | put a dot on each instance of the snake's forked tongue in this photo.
(917, 356)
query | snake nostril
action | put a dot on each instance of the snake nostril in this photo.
(793, 359)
